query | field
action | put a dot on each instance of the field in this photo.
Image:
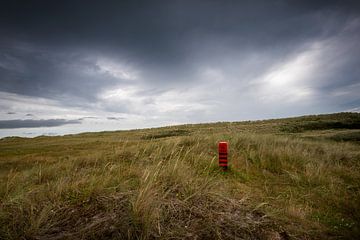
(295, 178)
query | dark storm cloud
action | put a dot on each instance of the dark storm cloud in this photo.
(165, 38)
(18, 123)
(51, 50)
(148, 27)
(45, 73)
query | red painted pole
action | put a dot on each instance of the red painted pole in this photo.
(223, 155)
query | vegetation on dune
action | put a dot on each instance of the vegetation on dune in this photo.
(296, 178)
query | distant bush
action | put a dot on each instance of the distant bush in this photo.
(353, 136)
(337, 121)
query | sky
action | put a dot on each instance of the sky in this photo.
(77, 66)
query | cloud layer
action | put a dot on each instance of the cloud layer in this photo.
(125, 64)
(29, 123)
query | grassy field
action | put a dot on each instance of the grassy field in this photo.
(295, 178)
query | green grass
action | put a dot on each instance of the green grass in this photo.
(295, 178)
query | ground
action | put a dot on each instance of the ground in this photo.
(294, 178)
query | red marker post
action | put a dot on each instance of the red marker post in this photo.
(223, 155)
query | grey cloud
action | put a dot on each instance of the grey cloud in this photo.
(168, 39)
(84, 118)
(115, 118)
(19, 123)
(54, 75)
(11, 113)
(165, 32)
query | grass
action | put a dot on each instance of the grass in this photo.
(296, 178)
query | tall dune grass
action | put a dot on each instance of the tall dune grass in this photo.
(165, 183)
